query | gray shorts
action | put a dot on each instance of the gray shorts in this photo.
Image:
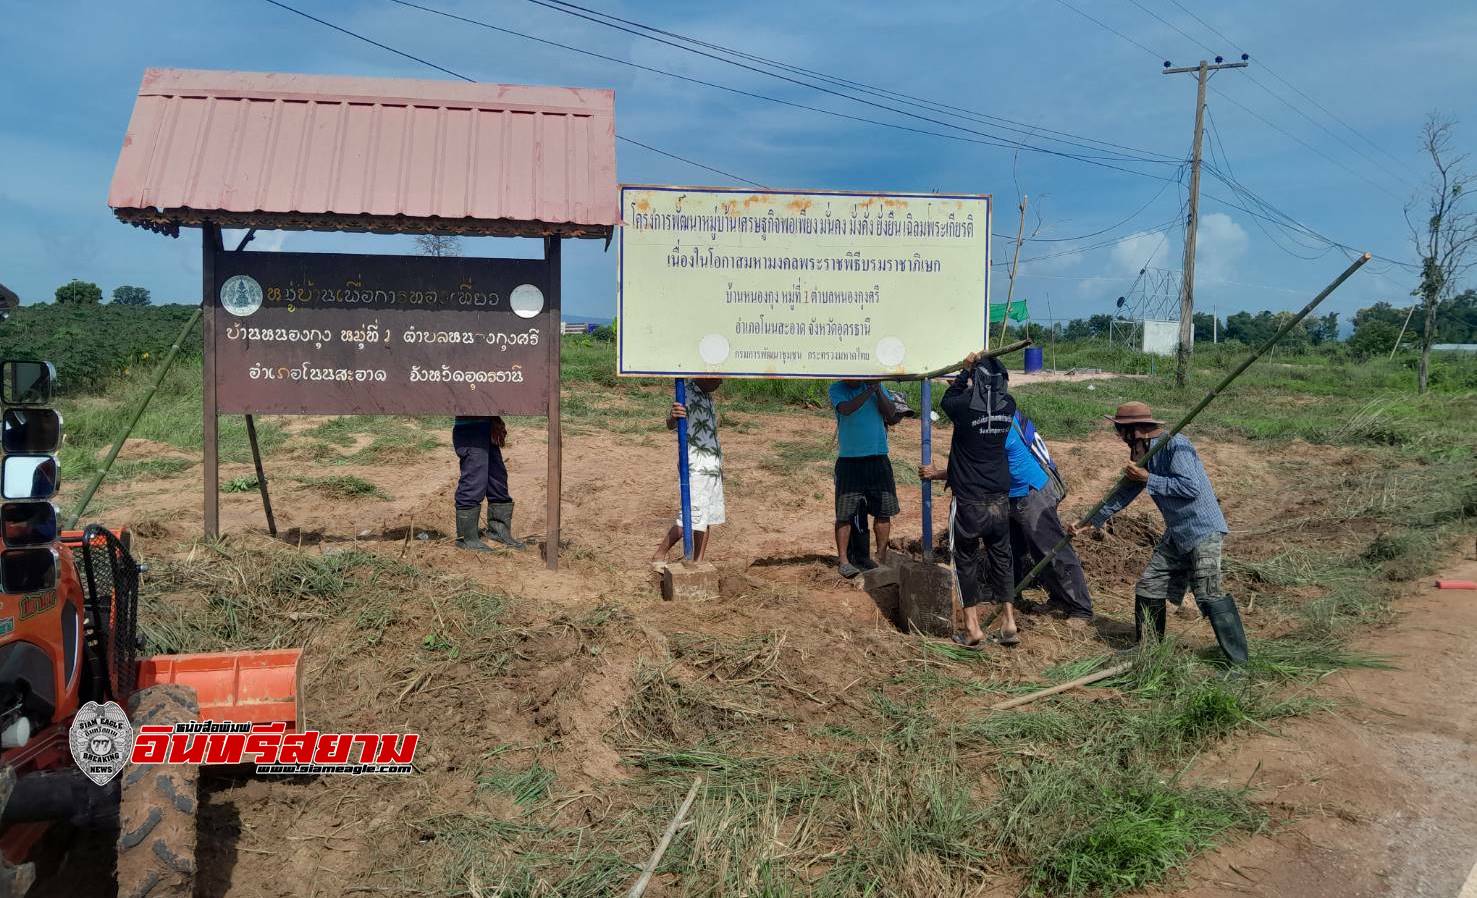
(1172, 572)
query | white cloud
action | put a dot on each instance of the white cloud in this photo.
(1220, 243)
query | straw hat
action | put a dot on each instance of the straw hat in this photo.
(1133, 413)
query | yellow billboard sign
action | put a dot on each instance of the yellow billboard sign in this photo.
(743, 283)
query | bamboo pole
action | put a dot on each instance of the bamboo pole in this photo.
(1020, 235)
(164, 366)
(1184, 422)
(649, 870)
(1029, 697)
(950, 369)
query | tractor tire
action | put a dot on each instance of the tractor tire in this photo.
(156, 836)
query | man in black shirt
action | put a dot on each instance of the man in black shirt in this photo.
(979, 476)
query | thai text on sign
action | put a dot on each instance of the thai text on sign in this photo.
(322, 333)
(769, 284)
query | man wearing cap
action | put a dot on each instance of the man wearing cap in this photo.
(1189, 554)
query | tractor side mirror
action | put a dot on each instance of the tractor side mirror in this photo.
(28, 524)
(28, 477)
(27, 383)
(32, 430)
(27, 570)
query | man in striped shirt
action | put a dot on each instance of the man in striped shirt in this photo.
(1189, 554)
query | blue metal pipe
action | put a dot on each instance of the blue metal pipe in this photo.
(925, 415)
(684, 484)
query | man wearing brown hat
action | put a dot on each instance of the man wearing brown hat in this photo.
(1189, 554)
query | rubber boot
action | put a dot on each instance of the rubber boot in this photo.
(500, 524)
(1151, 609)
(466, 530)
(1225, 622)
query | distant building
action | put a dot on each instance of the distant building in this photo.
(1454, 347)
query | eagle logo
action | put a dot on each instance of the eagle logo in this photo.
(102, 741)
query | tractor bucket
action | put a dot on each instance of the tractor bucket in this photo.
(241, 687)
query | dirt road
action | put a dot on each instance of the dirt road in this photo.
(1380, 797)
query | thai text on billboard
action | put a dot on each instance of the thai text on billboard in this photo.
(744, 283)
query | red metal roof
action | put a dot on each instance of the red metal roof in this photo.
(315, 152)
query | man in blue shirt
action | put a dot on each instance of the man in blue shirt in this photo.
(1189, 554)
(864, 479)
(1035, 528)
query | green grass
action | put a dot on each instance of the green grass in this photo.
(343, 486)
(526, 787)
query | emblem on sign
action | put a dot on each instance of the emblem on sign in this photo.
(241, 295)
(102, 741)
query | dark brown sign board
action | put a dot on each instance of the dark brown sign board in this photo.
(337, 334)
(329, 333)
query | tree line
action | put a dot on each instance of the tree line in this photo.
(1376, 327)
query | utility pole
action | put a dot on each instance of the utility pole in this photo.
(1187, 282)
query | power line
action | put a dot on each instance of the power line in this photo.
(578, 13)
(1273, 72)
(699, 81)
(1027, 128)
(459, 75)
(1295, 224)
(1135, 214)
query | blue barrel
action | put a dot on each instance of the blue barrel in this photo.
(1033, 359)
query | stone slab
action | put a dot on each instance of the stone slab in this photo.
(926, 598)
(697, 580)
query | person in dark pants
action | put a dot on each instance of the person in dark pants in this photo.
(1035, 529)
(864, 479)
(479, 442)
(1189, 554)
(979, 477)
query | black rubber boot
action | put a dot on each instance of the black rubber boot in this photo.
(1225, 622)
(1153, 610)
(466, 530)
(500, 524)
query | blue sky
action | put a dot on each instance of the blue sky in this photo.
(73, 68)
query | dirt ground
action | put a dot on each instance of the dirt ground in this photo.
(1381, 794)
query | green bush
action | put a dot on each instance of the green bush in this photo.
(92, 344)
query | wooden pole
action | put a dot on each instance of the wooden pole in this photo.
(1184, 422)
(1402, 331)
(1104, 674)
(210, 244)
(552, 254)
(1187, 282)
(261, 475)
(950, 369)
(1020, 235)
(655, 860)
(138, 413)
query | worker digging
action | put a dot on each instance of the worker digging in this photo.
(1188, 556)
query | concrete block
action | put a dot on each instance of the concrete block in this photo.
(883, 575)
(695, 580)
(926, 598)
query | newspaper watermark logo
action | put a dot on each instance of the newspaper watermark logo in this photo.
(102, 739)
(275, 750)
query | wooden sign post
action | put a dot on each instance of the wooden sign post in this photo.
(338, 334)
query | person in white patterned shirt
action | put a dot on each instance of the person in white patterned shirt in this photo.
(704, 466)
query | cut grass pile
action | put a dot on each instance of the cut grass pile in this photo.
(343, 486)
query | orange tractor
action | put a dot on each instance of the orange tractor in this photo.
(68, 648)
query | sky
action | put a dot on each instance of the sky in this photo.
(1338, 152)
